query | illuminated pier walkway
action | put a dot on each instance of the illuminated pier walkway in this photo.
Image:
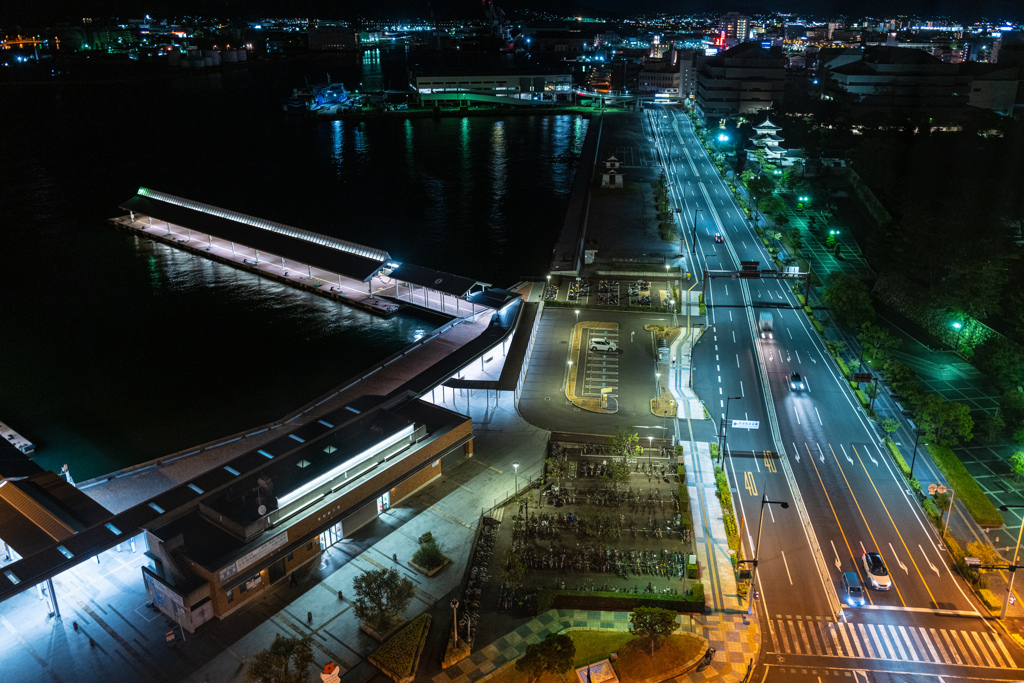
(361, 276)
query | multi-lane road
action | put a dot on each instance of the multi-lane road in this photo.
(815, 449)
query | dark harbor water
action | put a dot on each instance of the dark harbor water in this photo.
(114, 350)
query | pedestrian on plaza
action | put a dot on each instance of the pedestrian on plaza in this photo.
(309, 617)
(340, 596)
(292, 581)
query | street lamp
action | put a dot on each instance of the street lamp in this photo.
(721, 453)
(1013, 565)
(657, 380)
(958, 327)
(455, 620)
(650, 447)
(753, 574)
(577, 316)
(515, 467)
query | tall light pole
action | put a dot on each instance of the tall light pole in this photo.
(725, 423)
(1013, 565)
(455, 621)
(958, 327)
(657, 380)
(952, 495)
(650, 447)
(760, 524)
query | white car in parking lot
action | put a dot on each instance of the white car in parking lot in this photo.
(603, 345)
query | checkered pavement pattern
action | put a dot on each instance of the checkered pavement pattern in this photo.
(736, 639)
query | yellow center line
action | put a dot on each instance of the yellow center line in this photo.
(854, 496)
(829, 499)
(909, 554)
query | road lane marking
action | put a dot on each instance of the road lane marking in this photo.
(913, 644)
(960, 640)
(866, 640)
(923, 636)
(875, 632)
(832, 507)
(862, 516)
(788, 575)
(844, 453)
(839, 563)
(742, 393)
(952, 650)
(898, 561)
(896, 640)
(769, 463)
(895, 528)
(797, 416)
(797, 354)
(749, 484)
(819, 416)
(1003, 648)
(926, 559)
(981, 647)
(821, 453)
(737, 356)
(846, 640)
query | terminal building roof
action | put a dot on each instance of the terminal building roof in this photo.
(329, 253)
(438, 280)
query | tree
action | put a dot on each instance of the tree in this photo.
(618, 472)
(287, 660)
(878, 339)
(515, 567)
(557, 468)
(992, 426)
(1017, 465)
(555, 654)
(652, 624)
(626, 442)
(889, 426)
(942, 501)
(381, 595)
(946, 422)
(850, 301)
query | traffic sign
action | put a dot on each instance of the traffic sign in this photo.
(972, 561)
(862, 377)
(746, 424)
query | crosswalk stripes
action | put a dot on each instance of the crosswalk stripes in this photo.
(824, 638)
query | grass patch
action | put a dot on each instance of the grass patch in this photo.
(398, 654)
(635, 662)
(591, 646)
(967, 489)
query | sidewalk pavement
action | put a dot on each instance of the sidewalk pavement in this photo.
(736, 643)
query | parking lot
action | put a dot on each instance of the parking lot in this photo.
(601, 361)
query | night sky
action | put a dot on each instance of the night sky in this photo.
(55, 10)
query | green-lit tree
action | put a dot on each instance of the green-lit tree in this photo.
(850, 301)
(889, 426)
(877, 340)
(626, 442)
(1017, 465)
(653, 624)
(287, 660)
(946, 422)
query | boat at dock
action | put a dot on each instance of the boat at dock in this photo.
(316, 97)
(17, 440)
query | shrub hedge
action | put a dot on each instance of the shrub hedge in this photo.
(863, 398)
(691, 601)
(966, 488)
(684, 495)
(894, 450)
(842, 366)
(818, 326)
(398, 654)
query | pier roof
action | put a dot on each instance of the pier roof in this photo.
(438, 280)
(321, 251)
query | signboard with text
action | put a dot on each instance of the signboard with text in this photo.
(746, 424)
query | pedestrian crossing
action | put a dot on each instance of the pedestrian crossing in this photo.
(824, 638)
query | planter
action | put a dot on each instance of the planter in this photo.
(398, 658)
(455, 653)
(381, 637)
(430, 572)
